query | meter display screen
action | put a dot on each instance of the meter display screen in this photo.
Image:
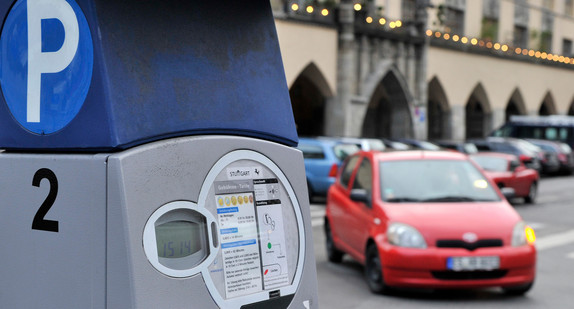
(177, 239)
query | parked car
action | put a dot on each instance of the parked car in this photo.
(507, 171)
(418, 144)
(559, 152)
(463, 147)
(427, 219)
(394, 145)
(322, 159)
(529, 154)
(365, 144)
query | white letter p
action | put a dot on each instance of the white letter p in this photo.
(48, 62)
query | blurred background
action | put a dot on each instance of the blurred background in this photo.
(438, 74)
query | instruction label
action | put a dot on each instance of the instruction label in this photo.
(238, 236)
(271, 233)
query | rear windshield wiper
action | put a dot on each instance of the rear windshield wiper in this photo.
(402, 200)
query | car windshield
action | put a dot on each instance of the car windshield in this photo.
(490, 163)
(433, 181)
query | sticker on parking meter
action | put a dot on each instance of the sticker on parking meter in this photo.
(239, 243)
(259, 227)
(272, 233)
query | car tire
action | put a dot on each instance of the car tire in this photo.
(518, 290)
(333, 254)
(532, 193)
(374, 271)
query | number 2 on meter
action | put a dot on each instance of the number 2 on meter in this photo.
(39, 222)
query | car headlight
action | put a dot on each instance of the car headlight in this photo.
(523, 235)
(404, 235)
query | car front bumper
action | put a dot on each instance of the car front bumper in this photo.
(427, 268)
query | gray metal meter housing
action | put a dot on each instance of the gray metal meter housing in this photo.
(98, 257)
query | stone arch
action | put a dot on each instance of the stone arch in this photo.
(547, 107)
(309, 93)
(438, 111)
(388, 112)
(515, 105)
(478, 113)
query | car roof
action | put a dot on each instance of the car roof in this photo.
(419, 155)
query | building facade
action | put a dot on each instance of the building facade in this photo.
(441, 69)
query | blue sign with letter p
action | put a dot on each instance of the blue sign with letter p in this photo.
(46, 63)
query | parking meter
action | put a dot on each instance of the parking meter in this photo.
(147, 158)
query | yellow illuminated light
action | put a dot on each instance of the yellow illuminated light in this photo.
(464, 40)
(488, 44)
(525, 52)
(530, 235)
(537, 54)
(531, 53)
(399, 23)
(324, 12)
(543, 55)
(446, 36)
(310, 9)
(383, 21)
(473, 41)
(429, 32)
(358, 7)
(504, 48)
(481, 184)
(497, 46)
(518, 50)
(437, 34)
(369, 19)
(294, 7)
(566, 60)
(392, 25)
(455, 38)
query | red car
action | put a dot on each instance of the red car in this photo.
(508, 171)
(427, 220)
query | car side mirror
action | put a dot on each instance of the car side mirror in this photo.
(514, 165)
(508, 192)
(361, 195)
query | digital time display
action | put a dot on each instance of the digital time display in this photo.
(177, 239)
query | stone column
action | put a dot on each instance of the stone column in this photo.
(458, 122)
(339, 109)
(364, 63)
(497, 119)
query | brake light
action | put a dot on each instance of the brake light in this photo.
(562, 157)
(333, 171)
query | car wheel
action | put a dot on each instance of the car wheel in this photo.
(518, 290)
(532, 192)
(333, 254)
(374, 271)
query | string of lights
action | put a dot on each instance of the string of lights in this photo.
(501, 47)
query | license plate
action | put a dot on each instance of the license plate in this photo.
(469, 263)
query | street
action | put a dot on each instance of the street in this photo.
(343, 285)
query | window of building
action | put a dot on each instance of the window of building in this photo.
(567, 47)
(451, 16)
(408, 9)
(546, 32)
(490, 13)
(520, 36)
(569, 7)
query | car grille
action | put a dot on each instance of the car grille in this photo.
(469, 275)
(457, 243)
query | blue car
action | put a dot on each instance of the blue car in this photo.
(322, 159)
